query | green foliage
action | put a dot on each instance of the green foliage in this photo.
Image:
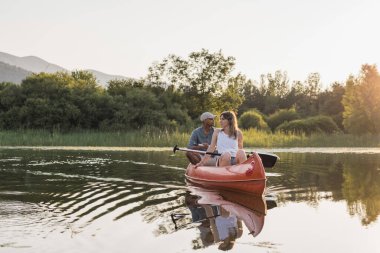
(307, 96)
(274, 88)
(177, 90)
(330, 103)
(138, 105)
(154, 137)
(10, 95)
(11, 99)
(361, 188)
(317, 124)
(281, 116)
(54, 101)
(46, 103)
(199, 77)
(278, 84)
(146, 137)
(361, 102)
(232, 97)
(122, 87)
(252, 98)
(252, 119)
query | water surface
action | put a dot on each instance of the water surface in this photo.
(114, 200)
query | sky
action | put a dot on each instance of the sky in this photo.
(125, 37)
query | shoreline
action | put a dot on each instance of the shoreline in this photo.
(327, 150)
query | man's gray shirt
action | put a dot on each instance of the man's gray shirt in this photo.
(198, 137)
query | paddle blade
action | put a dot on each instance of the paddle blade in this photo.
(268, 160)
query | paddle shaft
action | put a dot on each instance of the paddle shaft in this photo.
(195, 151)
(174, 219)
(269, 160)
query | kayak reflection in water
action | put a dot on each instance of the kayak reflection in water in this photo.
(220, 216)
(216, 223)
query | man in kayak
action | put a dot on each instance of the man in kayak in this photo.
(201, 138)
(228, 140)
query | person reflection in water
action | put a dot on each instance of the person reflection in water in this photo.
(217, 225)
(228, 228)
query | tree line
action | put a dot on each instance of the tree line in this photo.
(177, 90)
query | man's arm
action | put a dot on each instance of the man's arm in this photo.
(193, 142)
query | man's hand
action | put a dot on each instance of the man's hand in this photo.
(204, 146)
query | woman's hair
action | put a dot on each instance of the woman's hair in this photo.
(232, 123)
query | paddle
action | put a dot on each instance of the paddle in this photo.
(268, 159)
(177, 216)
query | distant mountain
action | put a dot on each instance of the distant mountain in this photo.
(103, 78)
(12, 74)
(30, 63)
(17, 68)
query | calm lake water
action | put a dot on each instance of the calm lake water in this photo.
(317, 200)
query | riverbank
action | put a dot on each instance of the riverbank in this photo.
(321, 150)
(252, 138)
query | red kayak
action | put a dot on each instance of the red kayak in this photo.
(246, 177)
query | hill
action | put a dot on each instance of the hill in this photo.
(15, 69)
(12, 74)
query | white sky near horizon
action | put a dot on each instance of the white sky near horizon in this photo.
(124, 37)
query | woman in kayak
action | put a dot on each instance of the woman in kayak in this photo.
(228, 140)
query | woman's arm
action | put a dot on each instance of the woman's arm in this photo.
(240, 139)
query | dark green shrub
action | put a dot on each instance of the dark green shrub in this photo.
(325, 123)
(317, 124)
(281, 116)
(252, 119)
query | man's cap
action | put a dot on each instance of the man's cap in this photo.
(207, 115)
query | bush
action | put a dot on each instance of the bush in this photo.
(281, 116)
(252, 119)
(317, 124)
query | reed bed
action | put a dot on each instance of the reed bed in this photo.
(92, 138)
(254, 138)
(158, 138)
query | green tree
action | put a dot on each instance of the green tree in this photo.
(275, 88)
(11, 100)
(136, 105)
(252, 98)
(175, 112)
(361, 102)
(47, 102)
(199, 77)
(330, 103)
(278, 85)
(94, 104)
(10, 96)
(233, 96)
(157, 106)
(123, 86)
(63, 101)
(307, 95)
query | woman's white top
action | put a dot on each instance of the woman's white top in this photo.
(226, 226)
(226, 143)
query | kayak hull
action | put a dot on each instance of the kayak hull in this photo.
(248, 177)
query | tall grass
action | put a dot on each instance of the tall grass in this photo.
(254, 138)
(92, 138)
(159, 138)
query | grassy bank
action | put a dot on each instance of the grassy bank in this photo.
(252, 138)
